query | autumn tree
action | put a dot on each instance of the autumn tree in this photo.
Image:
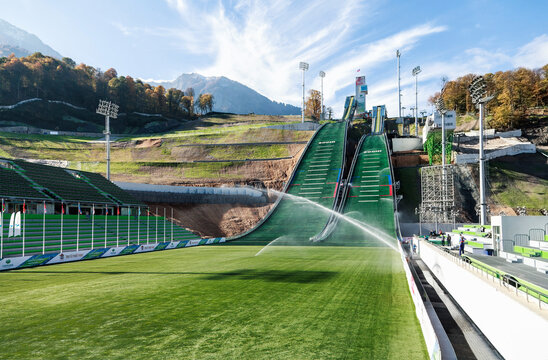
(187, 103)
(205, 103)
(329, 112)
(313, 105)
(515, 92)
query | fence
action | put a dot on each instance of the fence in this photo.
(32, 234)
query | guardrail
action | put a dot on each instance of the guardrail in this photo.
(505, 279)
(341, 196)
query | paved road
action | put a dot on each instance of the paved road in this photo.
(522, 271)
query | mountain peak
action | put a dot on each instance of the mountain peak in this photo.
(12, 37)
(231, 96)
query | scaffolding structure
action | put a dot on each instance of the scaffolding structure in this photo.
(437, 194)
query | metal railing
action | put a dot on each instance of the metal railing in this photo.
(505, 279)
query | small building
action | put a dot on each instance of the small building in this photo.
(510, 231)
(434, 122)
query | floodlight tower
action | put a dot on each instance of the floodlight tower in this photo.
(478, 92)
(304, 67)
(322, 75)
(416, 71)
(398, 54)
(109, 110)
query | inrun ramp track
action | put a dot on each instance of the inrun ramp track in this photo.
(316, 179)
(369, 197)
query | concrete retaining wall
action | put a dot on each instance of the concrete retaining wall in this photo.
(517, 331)
(191, 194)
(307, 126)
(406, 144)
(525, 148)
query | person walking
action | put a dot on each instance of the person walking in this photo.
(461, 245)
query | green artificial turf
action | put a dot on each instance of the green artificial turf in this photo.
(214, 302)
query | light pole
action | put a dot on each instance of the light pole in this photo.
(322, 75)
(304, 67)
(404, 127)
(420, 212)
(109, 110)
(398, 54)
(416, 71)
(478, 92)
(423, 112)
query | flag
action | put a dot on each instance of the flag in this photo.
(3, 206)
(118, 210)
(139, 211)
(79, 209)
(17, 224)
(93, 209)
(106, 211)
(24, 207)
(12, 225)
(62, 209)
(45, 208)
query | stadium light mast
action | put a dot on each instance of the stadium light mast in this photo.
(398, 54)
(322, 115)
(109, 110)
(478, 92)
(304, 67)
(416, 71)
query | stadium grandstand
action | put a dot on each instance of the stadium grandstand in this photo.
(50, 210)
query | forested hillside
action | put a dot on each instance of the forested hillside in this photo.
(518, 94)
(45, 77)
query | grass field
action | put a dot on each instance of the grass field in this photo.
(214, 302)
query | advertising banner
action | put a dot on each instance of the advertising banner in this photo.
(56, 258)
(12, 263)
(95, 253)
(193, 243)
(129, 250)
(114, 251)
(145, 248)
(68, 256)
(36, 260)
(181, 244)
(361, 91)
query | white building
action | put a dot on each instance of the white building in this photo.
(434, 122)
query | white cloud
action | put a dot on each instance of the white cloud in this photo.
(260, 43)
(533, 54)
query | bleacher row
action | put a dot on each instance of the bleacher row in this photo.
(478, 238)
(25, 180)
(87, 232)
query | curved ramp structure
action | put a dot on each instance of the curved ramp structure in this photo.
(369, 198)
(349, 108)
(316, 179)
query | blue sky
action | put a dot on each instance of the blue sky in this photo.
(260, 43)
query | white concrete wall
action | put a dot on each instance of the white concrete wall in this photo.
(514, 329)
(512, 225)
(428, 332)
(406, 144)
(525, 148)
